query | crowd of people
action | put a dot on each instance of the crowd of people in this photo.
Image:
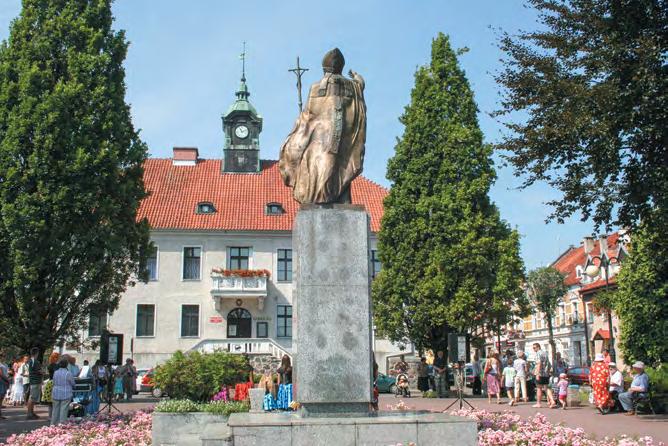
(26, 381)
(506, 379)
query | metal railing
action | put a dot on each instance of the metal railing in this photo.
(252, 346)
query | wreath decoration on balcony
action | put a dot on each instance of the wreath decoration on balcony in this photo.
(241, 272)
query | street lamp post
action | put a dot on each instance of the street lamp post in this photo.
(592, 270)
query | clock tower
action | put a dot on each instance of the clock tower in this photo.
(242, 126)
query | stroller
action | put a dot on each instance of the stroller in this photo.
(401, 386)
(83, 388)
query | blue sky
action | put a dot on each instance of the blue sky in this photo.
(183, 69)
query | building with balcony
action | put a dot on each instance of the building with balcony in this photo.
(579, 330)
(221, 272)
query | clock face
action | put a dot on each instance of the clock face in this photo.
(241, 131)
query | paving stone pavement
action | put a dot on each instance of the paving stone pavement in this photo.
(598, 426)
(595, 424)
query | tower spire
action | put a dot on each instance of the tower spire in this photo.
(243, 93)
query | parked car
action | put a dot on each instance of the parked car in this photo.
(148, 384)
(140, 379)
(578, 375)
(386, 384)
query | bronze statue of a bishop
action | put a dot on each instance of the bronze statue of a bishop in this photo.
(324, 152)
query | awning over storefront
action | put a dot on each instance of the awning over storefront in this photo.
(601, 335)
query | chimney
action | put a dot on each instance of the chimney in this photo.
(185, 156)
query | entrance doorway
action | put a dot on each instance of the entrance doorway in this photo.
(239, 323)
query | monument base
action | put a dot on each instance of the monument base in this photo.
(381, 428)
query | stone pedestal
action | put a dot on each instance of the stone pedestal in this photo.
(256, 400)
(378, 429)
(332, 309)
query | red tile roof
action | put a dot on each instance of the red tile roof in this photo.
(574, 256)
(599, 284)
(567, 263)
(240, 199)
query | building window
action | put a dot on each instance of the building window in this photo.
(145, 320)
(189, 321)
(285, 265)
(590, 314)
(97, 322)
(239, 257)
(284, 321)
(262, 330)
(274, 209)
(192, 260)
(576, 315)
(205, 208)
(152, 263)
(375, 263)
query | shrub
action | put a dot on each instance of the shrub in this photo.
(197, 377)
(658, 379)
(215, 407)
(429, 394)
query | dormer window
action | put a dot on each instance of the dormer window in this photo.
(578, 272)
(205, 208)
(274, 209)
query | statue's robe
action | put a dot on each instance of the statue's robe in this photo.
(325, 150)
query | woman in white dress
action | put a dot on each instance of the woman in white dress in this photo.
(17, 388)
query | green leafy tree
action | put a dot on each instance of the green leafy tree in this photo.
(641, 300)
(546, 287)
(449, 262)
(592, 83)
(70, 172)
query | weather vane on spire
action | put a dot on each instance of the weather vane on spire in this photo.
(242, 56)
(299, 71)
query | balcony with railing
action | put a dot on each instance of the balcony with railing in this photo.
(239, 283)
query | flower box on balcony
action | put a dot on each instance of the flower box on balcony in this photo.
(241, 272)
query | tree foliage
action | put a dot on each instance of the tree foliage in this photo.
(70, 171)
(449, 261)
(197, 376)
(593, 85)
(641, 300)
(546, 287)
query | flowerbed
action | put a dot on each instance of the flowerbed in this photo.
(510, 429)
(219, 407)
(120, 430)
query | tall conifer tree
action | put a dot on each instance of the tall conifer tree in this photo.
(70, 172)
(449, 262)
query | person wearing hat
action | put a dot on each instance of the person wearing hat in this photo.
(599, 378)
(616, 384)
(639, 388)
(562, 386)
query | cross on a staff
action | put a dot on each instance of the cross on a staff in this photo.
(242, 56)
(299, 71)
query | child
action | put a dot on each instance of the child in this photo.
(403, 384)
(562, 385)
(509, 373)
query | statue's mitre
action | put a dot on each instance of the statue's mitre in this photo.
(333, 61)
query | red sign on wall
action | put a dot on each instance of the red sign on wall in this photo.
(216, 320)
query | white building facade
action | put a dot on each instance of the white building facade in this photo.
(221, 275)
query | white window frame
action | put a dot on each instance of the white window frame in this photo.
(228, 256)
(157, 264)
(292, 326)
(155, 320)
(201, 262)
(199, 321)
(291, 253)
